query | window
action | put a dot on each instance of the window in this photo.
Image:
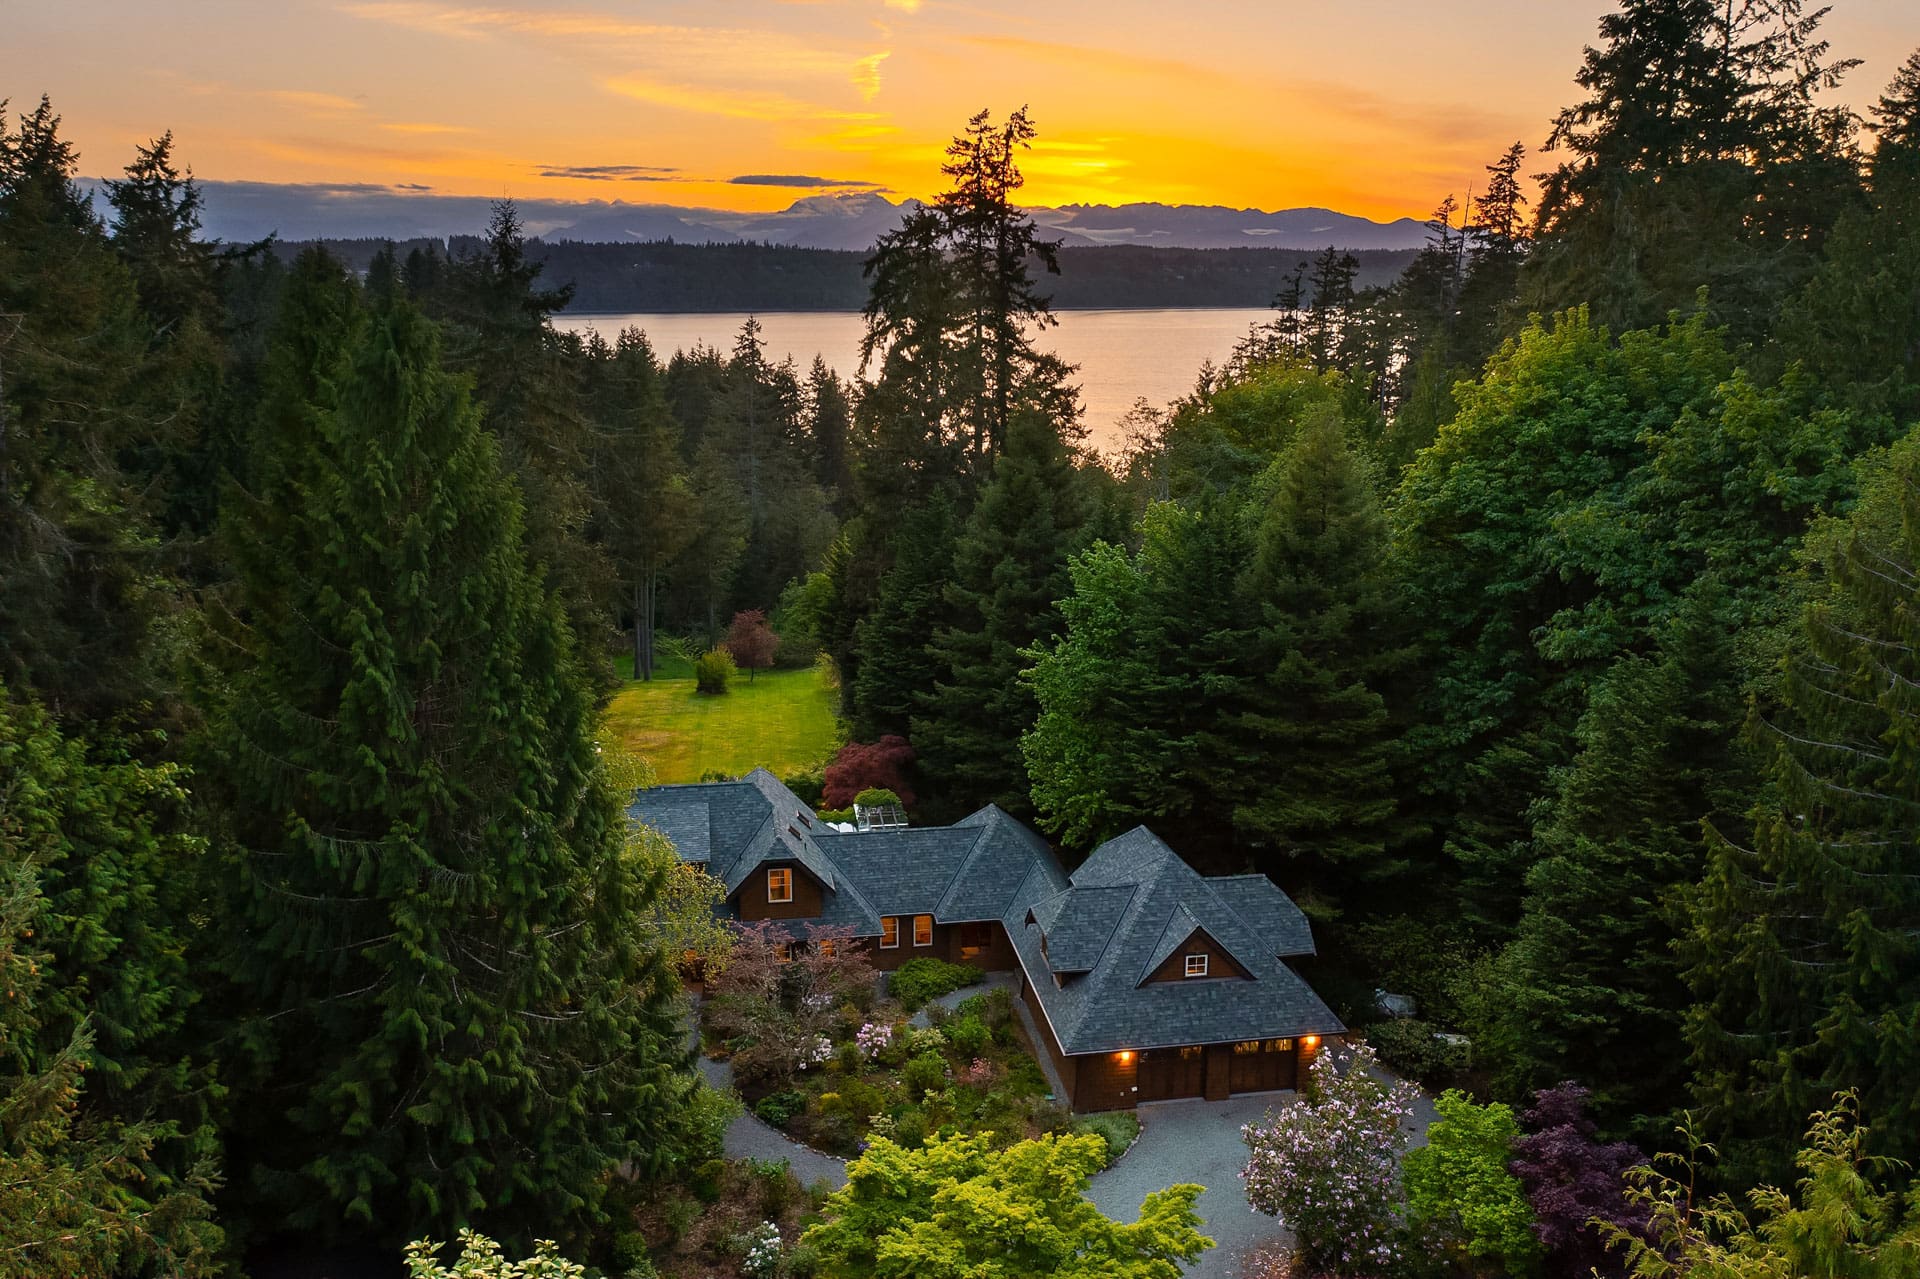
(889, 932)
(829, 947)
(923, 930)
(779, 885)
(1246, 1048)
(1196, 965)
(1189, 1053)
(1278, 1046)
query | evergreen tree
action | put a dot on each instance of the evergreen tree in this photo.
(450, 1014)
(526, 379)
(1698, 158)
(93, 907)
(1805, 941)
(1855, 325)
(1592, 987)
(1009, 568)
(79, 583)
(1311, 750)
(1152, 655)
(643, 502)
(830, 423)
(894, 663)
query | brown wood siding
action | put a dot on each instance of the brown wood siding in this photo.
(1220, 965)
(750, 900)
(1067, 1067)
(1108, 1081)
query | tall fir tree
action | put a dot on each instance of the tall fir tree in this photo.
(894, 662)
(1591, 985)
(1804, 946)
(80, 580)
(1009, 569)
(1310, 749)
(450, 1015)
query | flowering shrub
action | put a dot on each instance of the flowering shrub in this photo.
(873, 1037)
(980, 1072)
(763, 1250)
(814, 1052)
(1329, 1167)
(925, 1040)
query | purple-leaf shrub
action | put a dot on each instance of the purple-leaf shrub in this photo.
(1571, 1178)
(1329, 1166)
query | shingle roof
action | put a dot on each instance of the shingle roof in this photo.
(1004, 852)
(968, 872)
(908, 870)
(1106, 927)
(1108, 1008)
(1080, 923)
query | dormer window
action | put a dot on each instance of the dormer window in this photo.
(780, 885)
(1196, 965)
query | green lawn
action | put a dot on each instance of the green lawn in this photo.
(782, 720)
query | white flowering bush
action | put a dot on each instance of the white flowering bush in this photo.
(1329, 1167)
(873, 1038)
(763, 1251)
(815, 1051)
(925, 1039)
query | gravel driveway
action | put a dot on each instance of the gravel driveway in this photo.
(1199, 1141)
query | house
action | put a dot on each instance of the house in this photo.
(1146, 980)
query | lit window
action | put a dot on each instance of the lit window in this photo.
(889, 932)
(923, 930)
(1279, 1046)
(828, 947)
(1246, 1048)
(1196, 965)
(779, 885)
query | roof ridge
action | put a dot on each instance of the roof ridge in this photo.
(960, 872)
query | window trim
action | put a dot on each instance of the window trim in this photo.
(785, 876)
(916, 930)
(1202, 960)
(890, 924)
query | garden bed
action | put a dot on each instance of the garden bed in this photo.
(819, 1054)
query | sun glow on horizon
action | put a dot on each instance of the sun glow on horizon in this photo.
(1365, 109)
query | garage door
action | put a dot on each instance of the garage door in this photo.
(1172, 1072)
(1261, 1065)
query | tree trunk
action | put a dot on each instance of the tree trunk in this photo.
(646, 592)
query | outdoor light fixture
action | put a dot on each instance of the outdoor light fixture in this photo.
(1126, 1057)
(1309, 1042)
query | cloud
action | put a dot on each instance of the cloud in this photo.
(866, 74)
(321, 103)
(800, 180)
(421, 127)
(613, 172)
(736, 104)
(904, 6)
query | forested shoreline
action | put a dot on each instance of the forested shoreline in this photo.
(1539, 617)
(664, 277)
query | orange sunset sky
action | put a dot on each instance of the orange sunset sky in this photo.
(1376, 107)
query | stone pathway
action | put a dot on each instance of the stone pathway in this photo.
(750, 1137)
(954, 998)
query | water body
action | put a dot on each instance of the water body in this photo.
(1123, 355)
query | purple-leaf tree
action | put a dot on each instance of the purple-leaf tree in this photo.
(1572, 1179)
(1329, 1166)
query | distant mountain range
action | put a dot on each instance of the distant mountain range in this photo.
(242, 211)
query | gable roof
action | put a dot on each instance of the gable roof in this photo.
(969, 872)
(736, 827)
(1101, 1004)
(1101, 931)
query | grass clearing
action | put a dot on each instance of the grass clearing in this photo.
(781, 720)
